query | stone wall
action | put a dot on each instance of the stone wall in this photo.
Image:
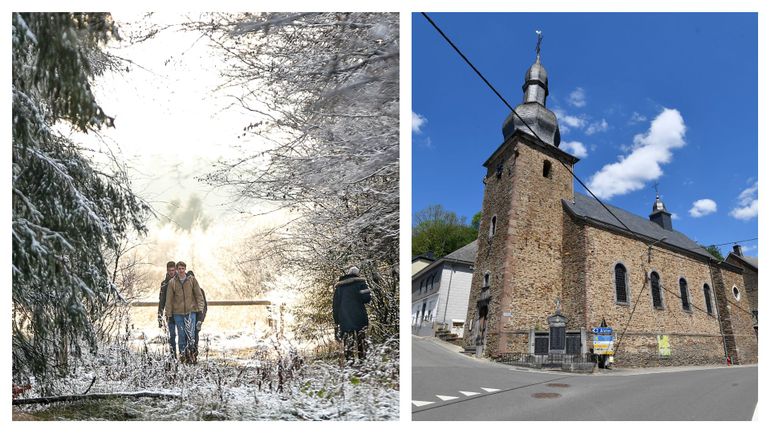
(574, 276)
(524, 256)
(750, 280)
(694, 335)
(741, 322)
(641, 350)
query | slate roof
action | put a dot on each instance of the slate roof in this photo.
(754, 261)
(749, 260)
(464, 254)
(588, 207)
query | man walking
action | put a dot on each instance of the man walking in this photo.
(350, 319)
(170, 273)
(183, 301)
(199, 320)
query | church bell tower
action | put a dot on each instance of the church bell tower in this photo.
(518, 270)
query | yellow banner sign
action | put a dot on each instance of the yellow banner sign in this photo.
(664, 349)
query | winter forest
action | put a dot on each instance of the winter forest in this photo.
(261, 149)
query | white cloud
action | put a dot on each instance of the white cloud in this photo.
(637, 118)
(748, 204)
(417, 122)
(567, 121)
(577, 98)
(703, 207)
(575, 148)
(674, 216)
(643, 164)
(595, 127)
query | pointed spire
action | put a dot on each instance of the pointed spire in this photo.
(532, 113)
(536, 80)
(660, 215)
(659, 205)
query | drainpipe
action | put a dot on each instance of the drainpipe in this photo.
(449, 290)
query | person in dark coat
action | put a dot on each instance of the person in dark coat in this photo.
(201, 318)
(170, 273)
(348, 308)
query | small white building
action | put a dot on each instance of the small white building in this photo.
(440, 292)
(420, 262)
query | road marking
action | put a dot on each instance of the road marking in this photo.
(754, 418)
(419, 403)
(490, 389)
(468, 393)
(447, 397)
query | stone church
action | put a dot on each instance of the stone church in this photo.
(553, 264)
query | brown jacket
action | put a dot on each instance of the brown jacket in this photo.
(183, 298)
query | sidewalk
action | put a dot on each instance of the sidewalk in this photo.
(624, 371)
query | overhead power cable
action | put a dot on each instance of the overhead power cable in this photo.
(540, 140)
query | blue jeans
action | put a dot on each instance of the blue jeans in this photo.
(185, 330)
(172, 335)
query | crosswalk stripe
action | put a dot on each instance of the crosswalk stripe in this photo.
(446, 397)
(419, 403)
(490, 389)
(468, 393)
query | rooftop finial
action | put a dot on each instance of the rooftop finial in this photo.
(657, 194)
(539, 40)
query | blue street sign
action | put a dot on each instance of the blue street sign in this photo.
(606, 330)
(602, 337)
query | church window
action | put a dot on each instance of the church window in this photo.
(684, 294)
(499, 170)
(736, 293)
(621, 292)
(707, 295)
(486, 280)
(493, 226)
(547, 169)
(657, 298)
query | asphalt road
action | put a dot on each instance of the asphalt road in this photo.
(449, 386)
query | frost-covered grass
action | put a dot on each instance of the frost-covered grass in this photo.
(268, 382)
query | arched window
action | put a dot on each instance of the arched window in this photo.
(621, 294)
(684, 294)
(493, 226)
(657, 299)
(547, 169)
(736, 293)
(486, 280)
(707, 295)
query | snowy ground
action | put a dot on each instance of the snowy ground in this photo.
(236, 378)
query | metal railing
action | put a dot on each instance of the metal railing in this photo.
(551, 360)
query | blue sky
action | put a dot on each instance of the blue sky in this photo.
(641, 98)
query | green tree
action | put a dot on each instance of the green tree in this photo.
(67, 213)
(476, 221)
(714, 251)
(439, 232)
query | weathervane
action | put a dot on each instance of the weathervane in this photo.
(539, 40)
(657, 194)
